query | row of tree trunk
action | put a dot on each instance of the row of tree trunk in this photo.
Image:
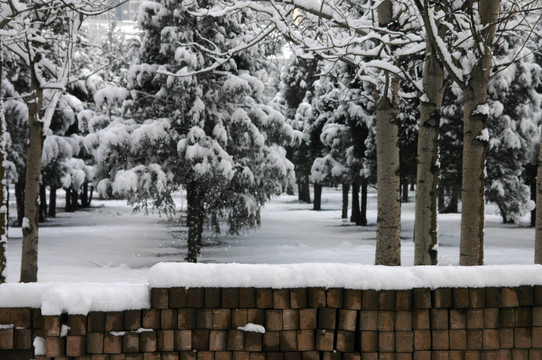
(359, 209)
(74, 200)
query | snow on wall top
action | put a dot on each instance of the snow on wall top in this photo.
(349, 276)
(81, 298)
(75, 298)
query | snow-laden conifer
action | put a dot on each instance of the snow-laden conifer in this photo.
(183, 125)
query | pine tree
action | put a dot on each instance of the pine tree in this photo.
(188, 124)
(297, 79)
(347, 119)
(512, 124)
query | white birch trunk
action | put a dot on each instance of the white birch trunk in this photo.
(538, 220)
(388, 226)
(29, 255)
(474, 142)
(425, 229)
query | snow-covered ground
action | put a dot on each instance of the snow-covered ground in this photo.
(108, 243)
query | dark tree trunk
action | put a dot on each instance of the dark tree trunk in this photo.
(453, 205)
(304, 190)
(355, 216)
(84, 196)
(91, 191)
(363, 215)
(317, 197)
(533, 197)
(290, 190)
(68, 207)
(7, 208)
(75, 199)
(194, 218)
(19, 197)
(43, 203)
(52, 202)
(346, 190)
(404, 191)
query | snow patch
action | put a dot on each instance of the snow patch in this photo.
(64, 330)
(250, 327)
(481, 110)
(75, 298)
(484, 135)
(26, 224)
(39, 345)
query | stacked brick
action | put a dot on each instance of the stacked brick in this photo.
(18, 327)
(300, 324)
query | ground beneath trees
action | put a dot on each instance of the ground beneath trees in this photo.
(108, 243)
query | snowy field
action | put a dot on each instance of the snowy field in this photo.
(108, 243)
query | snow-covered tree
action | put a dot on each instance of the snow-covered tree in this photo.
(473, 30)
(296, 82)
(211, 133)
(16, 118)
(515, 112)
(346, 111)
(41, 34)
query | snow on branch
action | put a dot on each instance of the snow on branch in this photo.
(220, 58)
(327, 30)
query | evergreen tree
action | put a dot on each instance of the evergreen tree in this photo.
(187, 122)
(347, 122)
(512, 124)
(296, 81)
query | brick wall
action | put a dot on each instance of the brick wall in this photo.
(301, 324)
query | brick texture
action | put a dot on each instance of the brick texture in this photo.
(300, 323)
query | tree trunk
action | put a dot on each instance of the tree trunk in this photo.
(404, 191)
(304, 192)
(453, 206)
(474, 143)
(363, 214)
(425, 224)
(355, 216)
(195, 217)
(317, 197)
(29, 259)
(534, 198)
(19, 198)
(474, 151)
(290, 190)
(74, 200)
(91, 191)
(538, 231)
(68, 203)
(388, 227)
(7, 207)
(346, 190)
(4, 204)
(84, 196)
(388, 230)
(43, 203)
(52, 202)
